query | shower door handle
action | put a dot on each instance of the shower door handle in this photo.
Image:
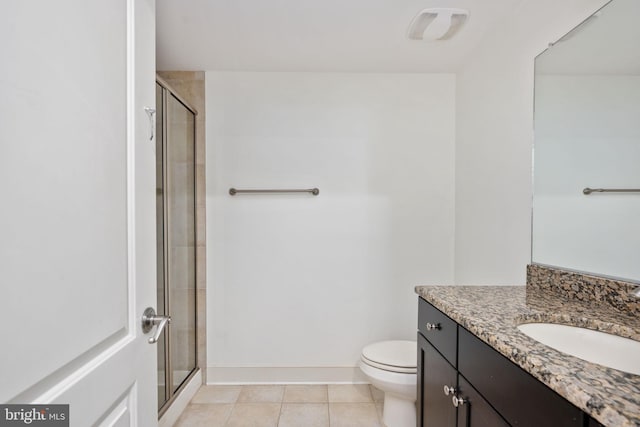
(151, 112)
(150, 319)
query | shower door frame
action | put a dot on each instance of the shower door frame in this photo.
(170, 394)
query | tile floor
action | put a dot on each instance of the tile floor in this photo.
(358, 405)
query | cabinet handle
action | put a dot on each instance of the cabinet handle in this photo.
(449, 390)
(433, 326)
(457, 401)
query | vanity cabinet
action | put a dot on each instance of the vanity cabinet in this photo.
(436, 407)
(515, 393)
(456, 367)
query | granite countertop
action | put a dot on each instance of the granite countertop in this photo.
(492, 313)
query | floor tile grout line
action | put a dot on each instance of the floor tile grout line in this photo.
(233, 408)
(226, 422)
(280, 412)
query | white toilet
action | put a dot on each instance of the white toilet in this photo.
(391, 367)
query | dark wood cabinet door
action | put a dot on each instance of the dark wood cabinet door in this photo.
(435, 409)
(515, 393)
(475, 411)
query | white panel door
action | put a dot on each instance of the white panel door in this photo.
(77, 217)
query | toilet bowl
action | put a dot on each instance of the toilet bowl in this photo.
(391, 367)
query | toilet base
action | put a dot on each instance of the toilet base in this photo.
(398, 412)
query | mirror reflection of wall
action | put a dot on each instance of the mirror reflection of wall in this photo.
(587, 134)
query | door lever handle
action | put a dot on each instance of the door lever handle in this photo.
(150, 319)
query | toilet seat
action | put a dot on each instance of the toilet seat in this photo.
(391, 367)
(392, 356)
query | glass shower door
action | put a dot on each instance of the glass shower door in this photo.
(161, 309)
(180, 170)
(177, 357)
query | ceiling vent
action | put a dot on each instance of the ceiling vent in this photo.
(437, 24)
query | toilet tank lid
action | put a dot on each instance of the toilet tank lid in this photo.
(392, 353)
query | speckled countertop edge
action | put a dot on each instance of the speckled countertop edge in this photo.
(492, 313)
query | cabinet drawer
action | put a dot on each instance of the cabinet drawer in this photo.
(444, 337)
(520, 398)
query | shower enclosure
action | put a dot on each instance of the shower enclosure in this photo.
(176, 247)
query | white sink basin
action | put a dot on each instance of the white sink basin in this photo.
(593, 346)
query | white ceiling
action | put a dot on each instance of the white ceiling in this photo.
(313, 35)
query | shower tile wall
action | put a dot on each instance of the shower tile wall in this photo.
(190, 86)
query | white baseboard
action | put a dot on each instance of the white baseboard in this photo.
(178, 406)
(273, 375)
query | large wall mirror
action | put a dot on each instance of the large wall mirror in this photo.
(587, 136)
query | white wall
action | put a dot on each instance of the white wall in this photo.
(303, 281)
(494, 129)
